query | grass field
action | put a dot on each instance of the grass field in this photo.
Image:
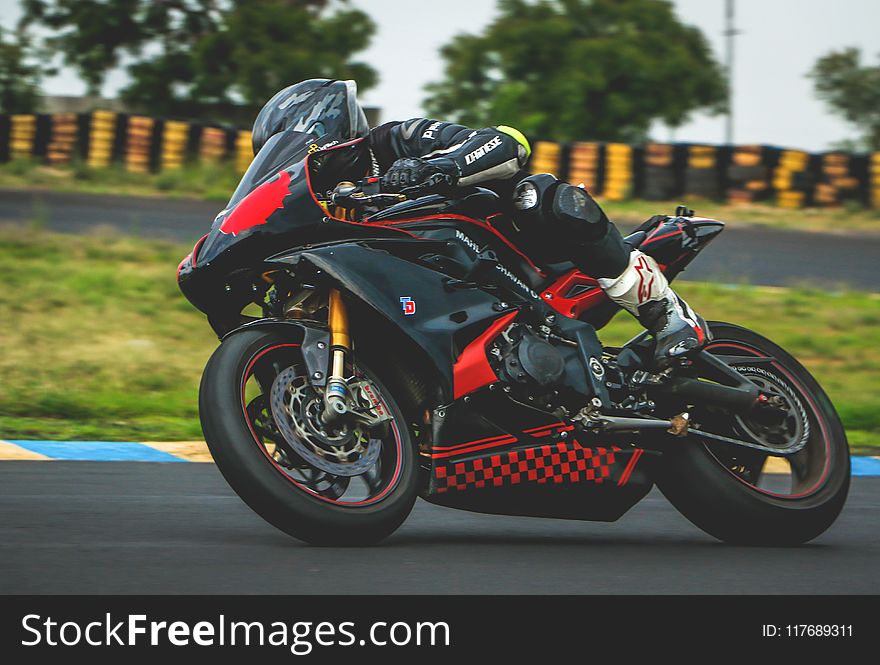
(97, 342)
(217, 182)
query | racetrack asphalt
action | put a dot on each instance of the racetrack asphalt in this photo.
(752, 255)
(142, 527)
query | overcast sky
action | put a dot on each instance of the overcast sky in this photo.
(773, 101)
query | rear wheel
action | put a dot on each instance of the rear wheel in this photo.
(750, 497)
(341, 485)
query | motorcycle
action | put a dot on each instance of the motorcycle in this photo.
(404, 347)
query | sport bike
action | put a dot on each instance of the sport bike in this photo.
(377, 347)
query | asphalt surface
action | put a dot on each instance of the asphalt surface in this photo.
(119, 527)
(752, 255)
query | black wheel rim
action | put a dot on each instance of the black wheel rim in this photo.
(790, 477)
(371, 484)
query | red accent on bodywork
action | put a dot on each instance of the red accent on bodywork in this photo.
(558, 463)
(488, 227)
(472, 370)
(555, 294)
(256, 207)
(624, 478)
(195, 253)
(467, 448)
(180, 265)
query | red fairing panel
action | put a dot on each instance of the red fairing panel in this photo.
(256, 207)
(472, 370)
(556, 295)
(557, 463)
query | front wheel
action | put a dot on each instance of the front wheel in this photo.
(749, 497)
(342, 485)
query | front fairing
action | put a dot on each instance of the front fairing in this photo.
(273, 199)
(273, 209)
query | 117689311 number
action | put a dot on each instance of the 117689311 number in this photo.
(807, 630)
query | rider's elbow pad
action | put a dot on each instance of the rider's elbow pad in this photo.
(492, 154)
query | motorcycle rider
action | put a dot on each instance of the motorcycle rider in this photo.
(553, 220)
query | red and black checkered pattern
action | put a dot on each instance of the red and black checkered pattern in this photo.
(556, 463)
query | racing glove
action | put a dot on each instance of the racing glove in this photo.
(412, 171)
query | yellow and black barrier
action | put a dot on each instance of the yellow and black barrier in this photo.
(614, 171)
(874, 180)
(61, 148)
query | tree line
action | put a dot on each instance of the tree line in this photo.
(565, 70)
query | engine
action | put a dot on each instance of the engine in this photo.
(550, 371)
(530, 360)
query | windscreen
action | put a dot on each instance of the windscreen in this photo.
(279, 152)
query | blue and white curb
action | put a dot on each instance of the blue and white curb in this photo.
(197, 451)
(105, 451)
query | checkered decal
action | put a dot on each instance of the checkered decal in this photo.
(557, 463)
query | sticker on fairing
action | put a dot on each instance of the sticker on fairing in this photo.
(408, 304)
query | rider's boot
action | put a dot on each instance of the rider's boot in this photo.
(643, 291)
(630, 278)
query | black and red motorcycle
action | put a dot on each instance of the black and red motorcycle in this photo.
(405, 347)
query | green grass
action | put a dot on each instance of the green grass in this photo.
(97, 342)
(216, 183)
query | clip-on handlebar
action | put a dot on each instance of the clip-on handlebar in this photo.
(368, 192)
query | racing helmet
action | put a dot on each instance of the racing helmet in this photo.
(325, 108)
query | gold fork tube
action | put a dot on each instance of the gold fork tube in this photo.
(336, 392)
(338, 321)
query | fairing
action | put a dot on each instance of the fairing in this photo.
(447, 282)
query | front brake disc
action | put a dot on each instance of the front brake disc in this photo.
(286, 398)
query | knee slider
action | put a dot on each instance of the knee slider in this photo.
(579, 213)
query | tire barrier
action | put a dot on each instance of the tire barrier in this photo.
(63, 140)
(546, 158)
(22, 132)
(748, 175)
(584, 163)
(840, 179)
(102, 137)
(701, 176)
(874, 183)
(792, 179)
(212, 146)
(244, 151)
(138, 142)
(614, 171)
(175, 137)
(617, 184)
(660, 181)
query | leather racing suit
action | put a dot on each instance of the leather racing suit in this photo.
(570, 225)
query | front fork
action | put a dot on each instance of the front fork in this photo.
(336, 392)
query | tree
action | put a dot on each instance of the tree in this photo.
(90, 35)
(257, 48)
(184, 53)
(20, 74)
(579, 69)
(852, 90)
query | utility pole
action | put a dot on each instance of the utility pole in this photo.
(729, 33)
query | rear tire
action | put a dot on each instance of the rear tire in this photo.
(728, 507)
(263, 485)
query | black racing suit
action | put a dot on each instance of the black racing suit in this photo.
(494, 158)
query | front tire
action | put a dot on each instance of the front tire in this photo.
(722, 493)
(249, 462)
